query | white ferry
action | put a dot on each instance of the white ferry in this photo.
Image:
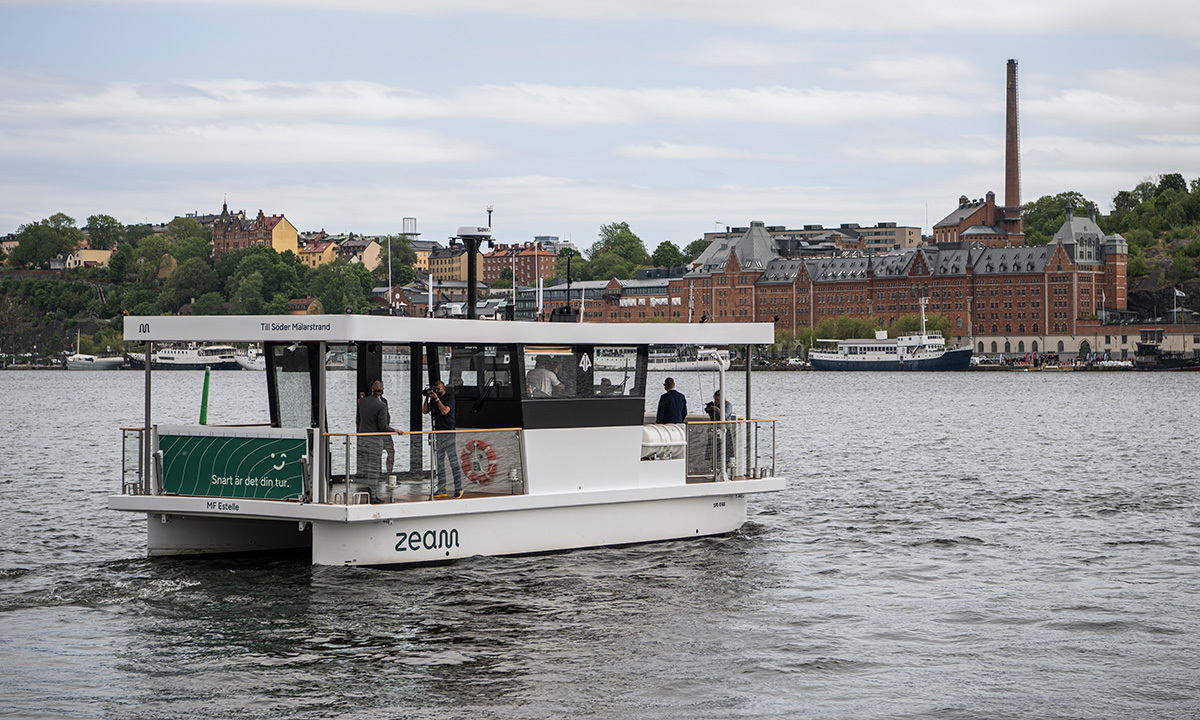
(580, 468)
(688, 359)
(188, 356)
(915, 351)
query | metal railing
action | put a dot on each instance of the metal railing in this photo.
(133, 480)
(730, 450)
(426, 465)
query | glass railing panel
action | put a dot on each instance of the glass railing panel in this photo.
(730, 450)
(409, 467)
(133, 480)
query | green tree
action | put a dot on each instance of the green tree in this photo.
(403, 258)
(189, 248)
(104, 232)
(121, 262)
(505, 280)
(571, 260)
(192, 279)
(912, 324)
(340, 285)
(134, 234)
(248, 300)
(1043, 217)
(151, 257)
(1172, 181)
(182, 228)
(667, 255)
(39, 242)
(618, 239)
(208, 304)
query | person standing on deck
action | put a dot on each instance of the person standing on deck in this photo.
(672, 405)
(439, 404)
(374, 417)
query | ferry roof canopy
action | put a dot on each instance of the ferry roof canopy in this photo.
(400, 330)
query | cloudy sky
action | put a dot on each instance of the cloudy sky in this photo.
(675, 116)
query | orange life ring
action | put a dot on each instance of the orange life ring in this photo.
(478, 461)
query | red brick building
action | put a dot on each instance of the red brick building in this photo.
(528, 262)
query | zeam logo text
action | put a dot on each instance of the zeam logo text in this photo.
(427, 540)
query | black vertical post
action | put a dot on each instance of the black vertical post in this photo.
(416, 352)
(472, 244)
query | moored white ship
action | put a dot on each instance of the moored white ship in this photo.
(192, 356)
(914, 351)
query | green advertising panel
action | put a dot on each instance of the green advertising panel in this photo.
(264, 468)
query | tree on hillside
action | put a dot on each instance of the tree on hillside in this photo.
(134, 234)
(569, 259)
(618, 239)
(151, 256)
(667, 255)
(1043, 217)
(192, 279)
(121, 262)
(182, 228)
(340, 285)
(38, 242)
(403, 258)
(104, 232)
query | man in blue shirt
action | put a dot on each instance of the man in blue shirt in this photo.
(672, 406)
(440, 405)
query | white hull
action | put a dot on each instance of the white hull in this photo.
(90, 362)
(249, 363)
(447, 530)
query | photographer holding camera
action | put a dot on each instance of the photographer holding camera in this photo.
(439, 404)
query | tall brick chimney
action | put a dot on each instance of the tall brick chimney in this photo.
(1012, 144)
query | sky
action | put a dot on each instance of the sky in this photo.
(677, 117)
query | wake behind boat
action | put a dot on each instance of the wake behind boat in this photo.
(572, 467)
(915, 351)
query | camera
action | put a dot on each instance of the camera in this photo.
(429, 393)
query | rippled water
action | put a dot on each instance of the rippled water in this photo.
(969, 545)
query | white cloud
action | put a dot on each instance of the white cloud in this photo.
(741, 52)
(237, 144)
(350, 102)
(1019, 17)
(922, 71)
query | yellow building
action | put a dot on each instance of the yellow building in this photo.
(88, 257)
(234, 231)
(317, 254)
(451, 264)
(423, 249)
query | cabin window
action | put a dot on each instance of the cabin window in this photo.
(480, 371)
(583, 371)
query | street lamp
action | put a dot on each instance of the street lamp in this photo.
(489, 209)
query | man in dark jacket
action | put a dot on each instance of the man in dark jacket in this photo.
(672, 406)
(373, 417)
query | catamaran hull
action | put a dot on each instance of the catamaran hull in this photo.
(522, 532)
(405, 533)
(957, 359)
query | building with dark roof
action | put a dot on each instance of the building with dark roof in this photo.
(234, 231)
